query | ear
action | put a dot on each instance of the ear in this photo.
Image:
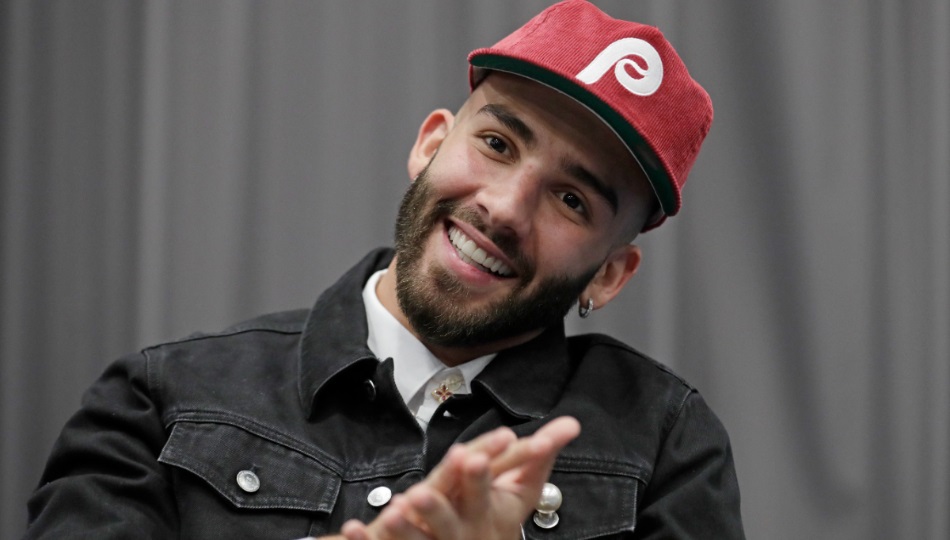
(620, 266)
(431, 134)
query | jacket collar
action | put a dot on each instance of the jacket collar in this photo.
(525, 380)
(334, 336)
(528, 379)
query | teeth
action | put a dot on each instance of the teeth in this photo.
(473, 254)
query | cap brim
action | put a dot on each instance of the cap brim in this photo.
(656, 175)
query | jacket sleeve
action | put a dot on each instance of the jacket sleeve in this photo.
(103, 479)
(693, 492)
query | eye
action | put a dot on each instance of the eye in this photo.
(573, 201)
(497, 144)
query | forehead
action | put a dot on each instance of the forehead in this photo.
(568, 130)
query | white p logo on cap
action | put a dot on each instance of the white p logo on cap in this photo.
(616, 54)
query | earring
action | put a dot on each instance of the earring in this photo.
(584, 311)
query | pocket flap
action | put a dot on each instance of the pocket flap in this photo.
(593, 505)
(272, 475)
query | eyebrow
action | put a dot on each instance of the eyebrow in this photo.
(510, 121)
(591, 180)
(578, 171)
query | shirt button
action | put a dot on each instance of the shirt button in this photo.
(248, 481)
(379, 496)
(370, 389)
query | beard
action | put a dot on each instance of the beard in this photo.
(434, 300)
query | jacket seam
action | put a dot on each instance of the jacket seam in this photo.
(668, 427)
(284, 329)
(335, 466)
(151, 383)
(256, 428)
(673, 418)
(584, 465)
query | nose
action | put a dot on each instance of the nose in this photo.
(509, 202)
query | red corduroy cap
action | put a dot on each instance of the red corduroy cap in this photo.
(626, 73)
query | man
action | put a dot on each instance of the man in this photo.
(431, 393)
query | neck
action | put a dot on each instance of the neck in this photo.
(450, 356)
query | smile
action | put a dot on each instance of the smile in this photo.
(476, 256)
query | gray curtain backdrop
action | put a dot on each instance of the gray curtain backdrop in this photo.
(167, 167)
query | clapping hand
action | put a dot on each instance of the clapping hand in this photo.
(482, 490)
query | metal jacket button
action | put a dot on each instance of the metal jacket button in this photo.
(248, 481)
(379, 496)
(370, 388)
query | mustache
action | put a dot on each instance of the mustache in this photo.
(507, 242)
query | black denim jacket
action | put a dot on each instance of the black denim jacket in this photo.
(298, 400)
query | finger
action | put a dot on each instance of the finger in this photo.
(493, 442)
(406, 511)
(355, 530)
(543, 445)
(446, 476)
(561, 430)
(474, 499)
(527, 465)
(435, 510)
(396, 521)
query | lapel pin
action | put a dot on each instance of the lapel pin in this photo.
(447, 388)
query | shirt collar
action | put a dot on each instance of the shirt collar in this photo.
(525, 380)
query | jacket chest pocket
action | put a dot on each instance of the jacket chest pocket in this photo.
(237, 482)
(594, 505)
